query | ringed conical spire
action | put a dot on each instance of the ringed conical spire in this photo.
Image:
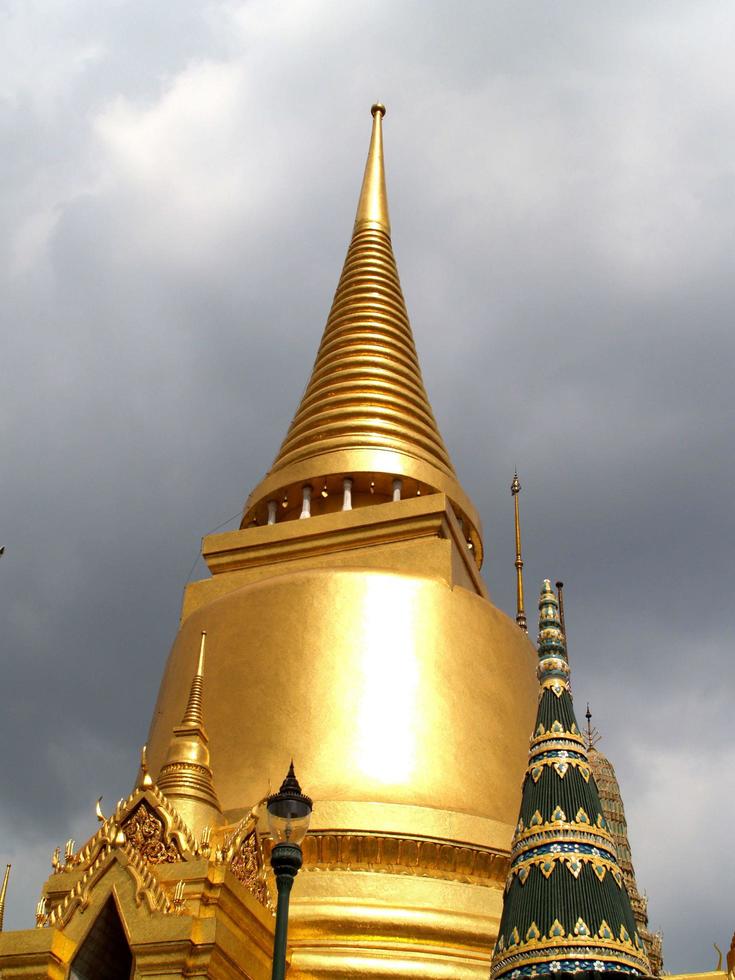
(565, 909)
(365, 415)
(186, 775)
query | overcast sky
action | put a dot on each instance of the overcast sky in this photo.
(178, 184)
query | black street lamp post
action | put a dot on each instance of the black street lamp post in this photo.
(289, 812)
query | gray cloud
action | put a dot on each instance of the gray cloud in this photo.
(178, 191)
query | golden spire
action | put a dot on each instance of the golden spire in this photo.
(365, 414)
(560, 593)
(515, 489)
(372, 209)
(186, 776)
(3, 893)
(193, 716)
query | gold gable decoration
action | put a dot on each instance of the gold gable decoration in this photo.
(147, 829)
(146, 821)
(203, 893)
(146, 834)
(242, 851)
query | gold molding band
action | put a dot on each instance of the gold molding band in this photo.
(393, 854)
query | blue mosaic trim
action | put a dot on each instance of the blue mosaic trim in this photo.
(568, 966)
(562, 755)
(566, 847)
(577, 838)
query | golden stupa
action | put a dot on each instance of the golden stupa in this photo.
(345, 625)
(361, 641)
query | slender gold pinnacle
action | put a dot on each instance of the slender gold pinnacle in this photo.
(515, 489)
(186, 776)
(560, 593)
(3, 893)
(372, 209)
(193, 715)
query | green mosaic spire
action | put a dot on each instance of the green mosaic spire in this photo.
(566, 909)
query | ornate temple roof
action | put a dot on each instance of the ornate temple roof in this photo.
(164, 881)
(565, 908)
(365, 413)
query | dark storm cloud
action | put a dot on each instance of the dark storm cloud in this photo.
(178, 191)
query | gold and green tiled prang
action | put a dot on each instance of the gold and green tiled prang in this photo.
(566, 910)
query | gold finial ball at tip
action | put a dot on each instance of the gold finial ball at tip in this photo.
(377, 107)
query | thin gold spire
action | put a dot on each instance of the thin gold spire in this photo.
(515, 489)
(3, 893)
(193, 715)
(186, 775)
(560, 593)
(365, 414)
(372, 209)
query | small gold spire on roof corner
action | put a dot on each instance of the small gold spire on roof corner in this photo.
(372, 209)
(3, 893)
(41, 911)
(144, 777)
(515, 489)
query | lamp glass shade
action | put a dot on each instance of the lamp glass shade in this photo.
(288, 818)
